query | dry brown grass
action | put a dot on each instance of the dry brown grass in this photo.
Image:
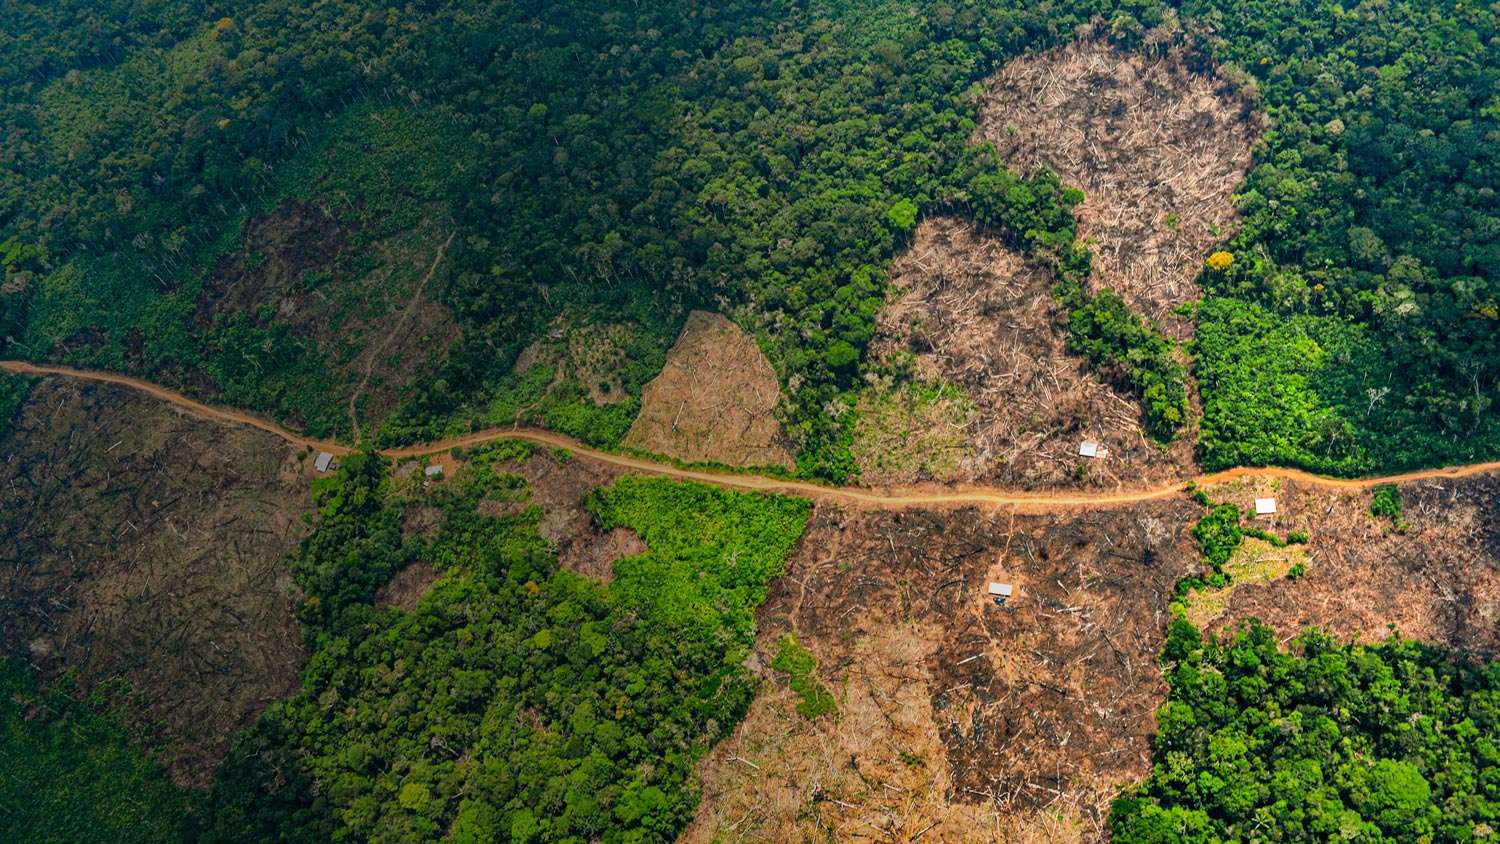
(714, 401)
(143, 545)
(1157, 145)
(974, 313)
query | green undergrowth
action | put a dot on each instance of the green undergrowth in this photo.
(1233, 553)
(72, 772)
(799, 664)
(517, 701)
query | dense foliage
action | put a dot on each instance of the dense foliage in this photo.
(72, 772)
(1366, 285)
(517, 701)
(1388, 742)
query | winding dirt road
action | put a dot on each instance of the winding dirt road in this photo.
(867, 497)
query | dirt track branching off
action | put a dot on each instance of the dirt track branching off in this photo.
(895, 498)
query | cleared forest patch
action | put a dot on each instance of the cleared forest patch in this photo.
(958, 720)
(714, 401)
(147, 547)
(973, 313)
(1156, 144)
(369, 308)
(1438, 581)
(559, 485)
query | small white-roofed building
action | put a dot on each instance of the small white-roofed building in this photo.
(1089, 449)
(434, 471)
(1265, 506)
(325, 462)
(1002, 590)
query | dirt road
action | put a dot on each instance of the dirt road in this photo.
(884, 498)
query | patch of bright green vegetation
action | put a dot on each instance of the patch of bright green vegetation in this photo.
(1385, 503)
(1315, 392)
(1254, 560)
(518, 701)
(798, 662)
(908, 428)
(1233, 555)
(1328, 741)
(72, 772)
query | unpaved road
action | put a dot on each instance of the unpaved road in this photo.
(885, 498)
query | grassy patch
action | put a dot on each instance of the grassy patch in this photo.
(1253, 561)
(798, 662)
(907, 429)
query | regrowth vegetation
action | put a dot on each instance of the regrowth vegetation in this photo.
(518, 701)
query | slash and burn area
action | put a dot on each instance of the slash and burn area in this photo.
(145, 551)
(956, 719)
(1157, 145)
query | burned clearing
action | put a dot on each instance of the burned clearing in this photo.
(370, 306)
(1156, 144)
(146, 547)
(1437, 581)
(975, 314)
(957, 716)
(714, 401)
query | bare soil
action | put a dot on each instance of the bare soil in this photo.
(559, 488)
(1156, 144)
(1438, 582)
(144, 545)
(976, 314)
(959, 720)
(406, 587)
(714, 401)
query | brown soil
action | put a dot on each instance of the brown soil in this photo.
(142, 544)
(714, 401)
(959, 720)
(1438, 582)
(406, 587)
(974, 313)
(378, 323)
(1157, 146)
(559, 488)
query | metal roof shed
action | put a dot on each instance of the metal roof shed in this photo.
(1265, 506)
(324, 462)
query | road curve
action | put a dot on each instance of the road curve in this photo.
(867, 497)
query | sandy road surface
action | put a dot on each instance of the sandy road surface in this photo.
(886, 498)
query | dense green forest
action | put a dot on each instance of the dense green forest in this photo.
(623, 163)
(72, 773)
(518, 701)
(1329, 741)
